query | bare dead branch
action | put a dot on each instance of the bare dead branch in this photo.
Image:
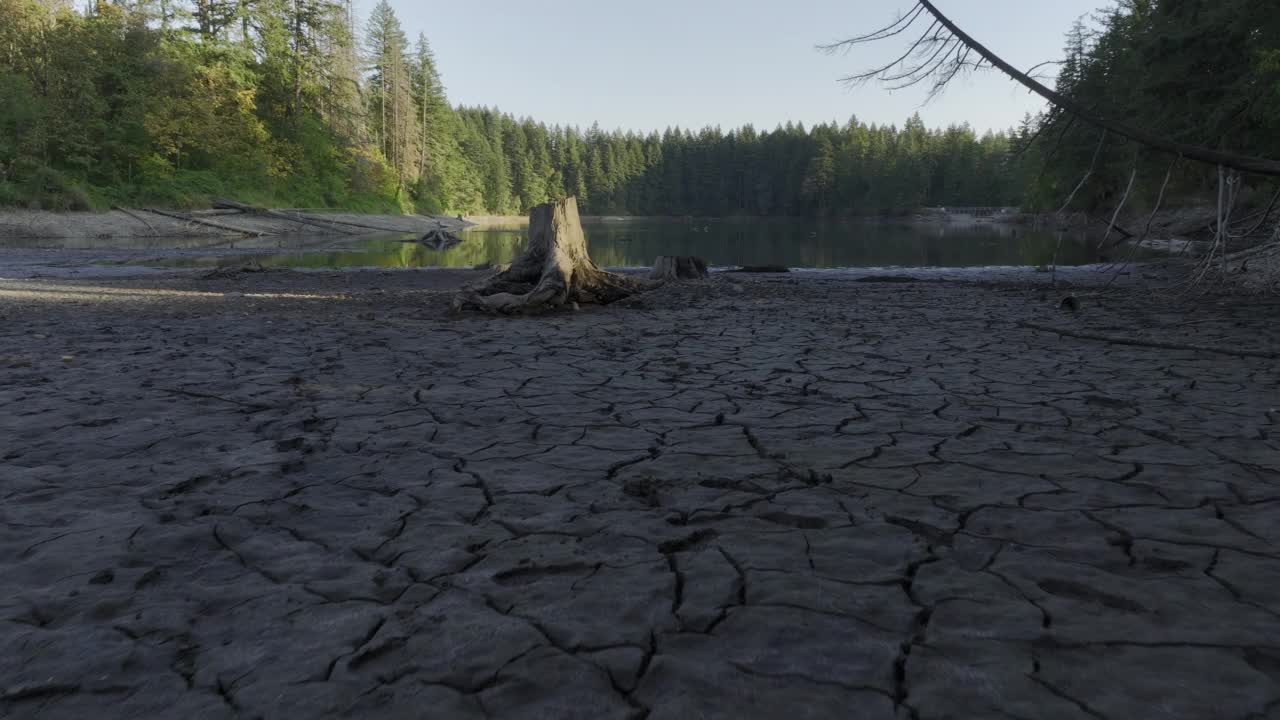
(903, 23)
(912, 71)
(1057, 145)
(1227, 184)
(1266, 215)
(915, 47)
(1093, 165)
(1120, 206)
(1146, 231)
(915, 78)
(1037, 66)
(956, 68)
(1089, 173)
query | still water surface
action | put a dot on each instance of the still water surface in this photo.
(636, 243)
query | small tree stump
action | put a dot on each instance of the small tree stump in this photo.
(555, 270)
(679, 267)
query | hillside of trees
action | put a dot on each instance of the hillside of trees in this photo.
(296, 103)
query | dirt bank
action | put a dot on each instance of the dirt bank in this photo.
(287, 494)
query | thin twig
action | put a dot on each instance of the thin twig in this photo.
(1092, 166)
(1058, 249)
(1135, 245)
(1137, 342)
(1266, 215)
(881, 34)
(1116, 215)
(1227, 184)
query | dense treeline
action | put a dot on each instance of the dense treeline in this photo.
(287, 102)
(150, 99)
(827, 169)
(294, 102)
(1203, 72)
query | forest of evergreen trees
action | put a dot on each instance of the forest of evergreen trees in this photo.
(1200, 72)
(297, 103)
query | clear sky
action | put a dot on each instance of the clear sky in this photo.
(648, 64)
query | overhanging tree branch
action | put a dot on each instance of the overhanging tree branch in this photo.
(948, 69)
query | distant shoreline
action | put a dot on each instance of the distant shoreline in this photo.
(19, 224)
(497, 220)
(1185, 223)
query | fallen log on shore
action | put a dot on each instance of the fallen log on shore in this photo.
(201, 221)
(225, 204)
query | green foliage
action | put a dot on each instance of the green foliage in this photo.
(853, 169)
(170, 104)
(118, 106)
(20, 115)
(43, 188)
(1202, 72)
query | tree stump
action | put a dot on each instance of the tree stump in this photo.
(555, 270)
(680, 267)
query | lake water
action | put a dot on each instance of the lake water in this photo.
(636, 243)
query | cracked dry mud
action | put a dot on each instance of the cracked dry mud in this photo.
(805, 500)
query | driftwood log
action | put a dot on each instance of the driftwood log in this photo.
(555, 270)
(139, 218)
(679, 267)
(225, 204)
(332, 221)
(201, 221)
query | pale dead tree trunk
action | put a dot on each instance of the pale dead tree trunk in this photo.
(422, 138)
(398, 117)
(555, 270)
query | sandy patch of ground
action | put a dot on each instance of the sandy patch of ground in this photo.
(315, 495)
